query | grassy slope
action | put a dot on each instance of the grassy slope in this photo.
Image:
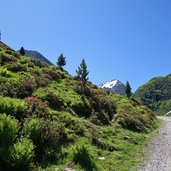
(156, 94)
(85, 124)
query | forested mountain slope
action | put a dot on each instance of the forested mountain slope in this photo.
(156, 94)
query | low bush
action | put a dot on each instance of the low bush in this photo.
(45, 134)
(9, 128)
(5, 73)
(11, 106)
(53, 74)
(26, 86)
(16, 67)
(83, 157)
(82, 108)
(21, 155)
(38, 63)
(35, 107)
(4, 59)
(8, 87)
(54, 101)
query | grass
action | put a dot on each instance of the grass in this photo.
(88, 125)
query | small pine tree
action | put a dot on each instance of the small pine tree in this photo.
(61, 61)
(128, 89)
(82, 72)
(22, 51)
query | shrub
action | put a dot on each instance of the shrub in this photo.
(100, 118)
(34, 106)
(83, 157)
(45, 135)
(26, 87)
(10, 106)
(16, 67)
(21, 155)
(5, 73)
(131, 118)
(39, 63)
(82, 108)
(8, 87)
(4, 58)
(54, 101)
(53, 74)
(9, 128)
(42, 80)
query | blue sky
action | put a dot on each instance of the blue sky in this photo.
(119, 39)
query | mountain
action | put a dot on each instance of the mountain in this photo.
(37, 55)
(50, 121)
(156, 94)
(114, 86)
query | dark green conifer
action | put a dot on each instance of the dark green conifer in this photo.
(128, 89)
(82, 72)
(22, 51)
(61, 61)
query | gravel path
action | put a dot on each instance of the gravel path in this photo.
(160, 149)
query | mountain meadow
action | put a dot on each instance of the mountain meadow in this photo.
(50, 120)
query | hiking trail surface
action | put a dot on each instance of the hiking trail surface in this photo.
(160, 149)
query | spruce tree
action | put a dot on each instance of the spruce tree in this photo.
(61, 61)
(22, 51)
(128, 89)
(82, 72)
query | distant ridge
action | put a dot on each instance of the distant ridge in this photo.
(156, 94)
(37, 55)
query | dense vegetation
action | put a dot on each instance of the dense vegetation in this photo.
(50, 120)
(156, 94)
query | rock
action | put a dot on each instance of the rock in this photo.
(126, 137)
(69, 169)
(101, 158)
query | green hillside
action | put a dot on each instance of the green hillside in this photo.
(156, 94)
(49, 121)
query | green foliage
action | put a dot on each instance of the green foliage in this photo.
(5, 73)
(83, 157)
(82, 72)
(9, 128)
(21, 155)
(16, 67)
(35, 107)
(25, 87)
(11, 106)
(136, 118)
(61, 61)
(45, 134)
(54, 101)
(55, 112)
(155, 94)
(6, 58)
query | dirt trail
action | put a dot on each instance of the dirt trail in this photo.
(160, 149)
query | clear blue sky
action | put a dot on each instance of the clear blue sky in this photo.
(119, 39)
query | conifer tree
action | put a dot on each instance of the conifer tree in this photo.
(61, 61)
(128, 89)
(22, 51)
(82, 72)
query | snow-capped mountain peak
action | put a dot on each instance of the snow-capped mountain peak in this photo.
(114, 86)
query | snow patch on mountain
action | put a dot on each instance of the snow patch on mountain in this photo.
(114, 86)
